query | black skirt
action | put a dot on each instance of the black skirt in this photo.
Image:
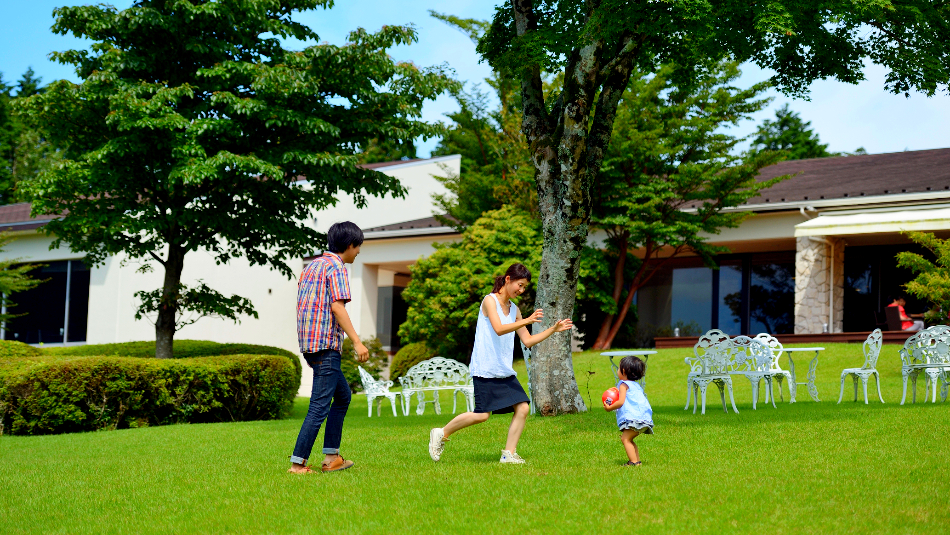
(498, 396)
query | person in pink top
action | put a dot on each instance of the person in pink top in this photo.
(908, 323)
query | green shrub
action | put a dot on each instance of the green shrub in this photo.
(62, 393)
(406, 358)
(348, 363)
(183, 349)
(9, 348)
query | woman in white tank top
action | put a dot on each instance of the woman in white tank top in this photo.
(497, 389)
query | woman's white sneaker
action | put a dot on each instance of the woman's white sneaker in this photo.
(436, 443)
(510, 458)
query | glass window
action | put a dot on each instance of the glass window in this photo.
(772, 298)
(692, 297)
(41, 310)
(730, 299)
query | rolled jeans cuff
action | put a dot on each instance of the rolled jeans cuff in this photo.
(297, 460)
(331, 451)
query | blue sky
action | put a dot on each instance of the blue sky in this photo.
(845, 116)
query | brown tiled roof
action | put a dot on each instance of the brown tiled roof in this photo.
(426, 222)
(858, 176)
(17, 217)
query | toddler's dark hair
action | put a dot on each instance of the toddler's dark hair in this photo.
(633, 368)
(342, 235)
(514, 272)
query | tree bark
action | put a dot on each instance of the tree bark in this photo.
(168, 309)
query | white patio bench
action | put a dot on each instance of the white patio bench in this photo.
(434, 375)
(927, 351)
(718, 357)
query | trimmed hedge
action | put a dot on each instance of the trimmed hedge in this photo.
(407, 357)
(183, 349)
(62, 393)
(9, 348)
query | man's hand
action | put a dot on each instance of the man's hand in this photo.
(362, 354)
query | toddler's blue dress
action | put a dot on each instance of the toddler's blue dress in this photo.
(635, 413)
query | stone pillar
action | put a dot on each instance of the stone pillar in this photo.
(813, 271)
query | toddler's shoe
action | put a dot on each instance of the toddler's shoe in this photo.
(510, 458)
(436, 443)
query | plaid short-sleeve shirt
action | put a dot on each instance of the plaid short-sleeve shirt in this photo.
(322, 282)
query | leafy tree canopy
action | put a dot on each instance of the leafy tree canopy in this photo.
(932, 281)
(496, 168)
(790, 134)
(192, 128)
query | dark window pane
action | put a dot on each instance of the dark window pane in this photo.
(730, 299)
(43, 307)
(692, 298)
(772, 297)
(78, 302)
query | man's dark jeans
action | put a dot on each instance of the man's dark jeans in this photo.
(328, 384)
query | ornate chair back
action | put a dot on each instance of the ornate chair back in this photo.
(708, 345)
(372, 386)
(872, 349)
(929, 346)
(775, 346)
(750, 355)
(437, 371)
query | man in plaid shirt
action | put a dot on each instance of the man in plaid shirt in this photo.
(322, 293)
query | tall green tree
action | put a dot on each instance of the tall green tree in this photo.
(496, 169)
(192, 127)
(789, 133)
(597, 45)
(932, 281)
(9, 137)
(670, 177)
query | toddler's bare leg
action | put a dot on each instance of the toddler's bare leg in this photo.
(626, 438)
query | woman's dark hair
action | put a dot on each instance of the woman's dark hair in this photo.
(342, 235)
(633, 368)
(515, 272)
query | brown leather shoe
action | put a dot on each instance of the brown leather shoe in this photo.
(336, 465)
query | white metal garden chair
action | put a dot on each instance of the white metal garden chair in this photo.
(710, 339)
(778, 374)
(712, 363)
(752, 359)
(377, 389)
(872, 350)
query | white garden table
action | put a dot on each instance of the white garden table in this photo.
(812, 389)
(644, 354)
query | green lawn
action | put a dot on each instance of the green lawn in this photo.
(803, 468)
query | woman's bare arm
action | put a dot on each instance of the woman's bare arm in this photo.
(530, 340)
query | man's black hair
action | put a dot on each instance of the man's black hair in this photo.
(342, 235)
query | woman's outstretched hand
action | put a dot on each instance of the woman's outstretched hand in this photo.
(536, 317)
(563, 325)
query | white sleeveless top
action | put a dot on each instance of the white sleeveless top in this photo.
(492, 354)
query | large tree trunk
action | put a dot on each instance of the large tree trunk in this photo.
(168, 309)
(566, 146)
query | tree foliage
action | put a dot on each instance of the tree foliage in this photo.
(596, 46)
(671, 177)
(932, 281)
(14, 277)
(496, 168)
(24, 151)
(789, 133)
(192, 128)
